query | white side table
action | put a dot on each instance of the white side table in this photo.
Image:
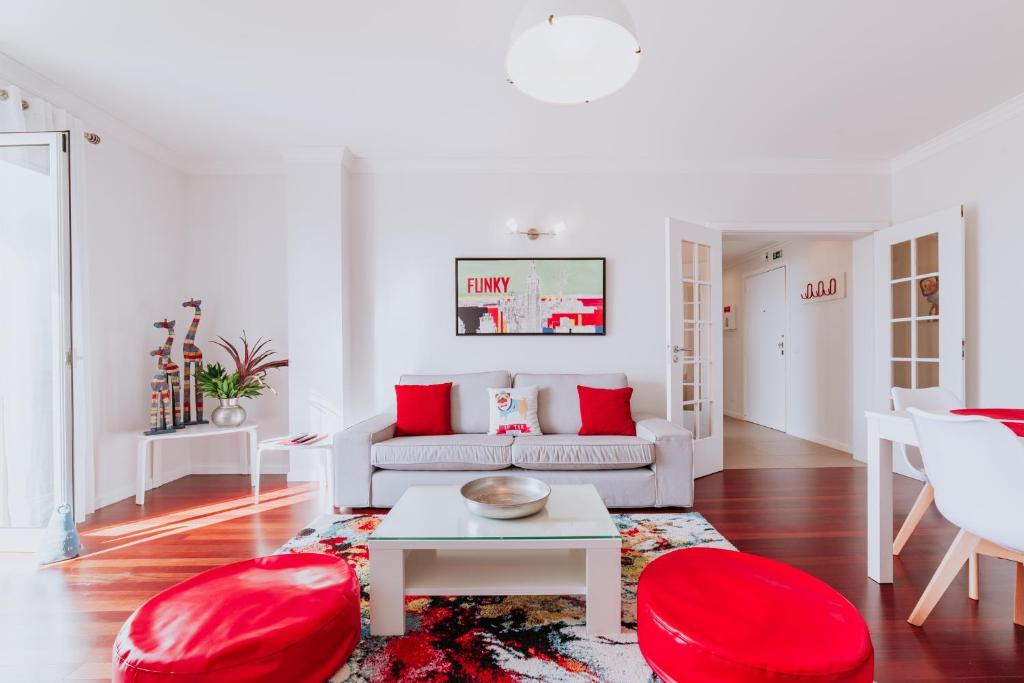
(146, 441)
(326, 448)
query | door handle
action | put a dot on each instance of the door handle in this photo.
(676, 350)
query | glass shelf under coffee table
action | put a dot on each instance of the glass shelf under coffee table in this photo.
(430, 544)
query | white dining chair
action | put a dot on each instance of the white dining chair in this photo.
(976, 466)
(935, 399)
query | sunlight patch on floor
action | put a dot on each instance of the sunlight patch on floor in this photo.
(181, 523)
(128, 528)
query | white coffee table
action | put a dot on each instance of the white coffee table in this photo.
(430, 544)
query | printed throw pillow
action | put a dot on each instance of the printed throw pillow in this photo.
(513, 411)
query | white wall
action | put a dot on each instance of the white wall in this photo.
(862, 353)
(136, 252)
(818, 342)
(409, 227)
(236, 237)
(984, 173)
(316, 199)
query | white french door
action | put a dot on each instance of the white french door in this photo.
(920, 307)
(694, 270)
(764, 348)
(35, 376)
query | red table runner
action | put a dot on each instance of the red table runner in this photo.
(1011, 417)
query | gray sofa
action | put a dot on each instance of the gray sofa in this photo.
(654, 468)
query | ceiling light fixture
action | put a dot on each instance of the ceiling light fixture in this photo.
(572, 51)
(534, 233)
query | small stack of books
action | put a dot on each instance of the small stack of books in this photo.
(302, 439)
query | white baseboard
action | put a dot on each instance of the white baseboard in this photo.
(167, 477)
(831, 443)
(108, 496)
(238, 469)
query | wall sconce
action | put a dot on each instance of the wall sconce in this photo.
(534, 233)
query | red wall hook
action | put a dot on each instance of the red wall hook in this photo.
(816, 292)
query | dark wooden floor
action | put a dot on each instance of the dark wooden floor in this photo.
(59, 623)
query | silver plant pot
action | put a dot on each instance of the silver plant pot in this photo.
(228, 413)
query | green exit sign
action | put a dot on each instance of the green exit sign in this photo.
(776, 255)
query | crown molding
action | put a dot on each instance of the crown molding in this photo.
(236, 167)
(383, 165)
(319, 155)
(790, 229)
(94, 118)
(961, 133)
(525, 165)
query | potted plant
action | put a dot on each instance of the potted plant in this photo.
(248, 380)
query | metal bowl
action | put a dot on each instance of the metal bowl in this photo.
(505, 497)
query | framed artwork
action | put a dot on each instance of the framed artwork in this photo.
(529, 296)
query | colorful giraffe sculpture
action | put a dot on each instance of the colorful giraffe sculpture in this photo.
(160, 411)
(193, 364)
(172, 371)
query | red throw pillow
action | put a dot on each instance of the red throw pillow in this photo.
(606, 411)
(423, 409)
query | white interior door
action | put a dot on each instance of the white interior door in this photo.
(764, 348)
(920, 307)
(694, 296)
(35, 377)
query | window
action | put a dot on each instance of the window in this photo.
(696, 353)
(915, 316)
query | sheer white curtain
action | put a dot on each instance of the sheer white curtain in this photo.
(40, 115)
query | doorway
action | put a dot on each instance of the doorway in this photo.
(787, 356)
(764, 348)
(35, 372)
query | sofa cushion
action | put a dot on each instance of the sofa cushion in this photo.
(423, 409)
(469, 396)
(558, 404)
(571, 452)
(606, 411)
(450, 452)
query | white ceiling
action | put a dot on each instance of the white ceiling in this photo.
(407, 79)
(735, 247)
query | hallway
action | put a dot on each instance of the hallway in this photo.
(751, 446)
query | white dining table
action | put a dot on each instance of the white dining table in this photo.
(884, 429)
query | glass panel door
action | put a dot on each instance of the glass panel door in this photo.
(35, 473)
(695, 339)
(920, 303)
(695, 354)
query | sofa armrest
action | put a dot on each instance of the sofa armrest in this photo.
(352, 468)
(673, 461)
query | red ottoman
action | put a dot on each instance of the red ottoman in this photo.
(281, 618)
(705, 614)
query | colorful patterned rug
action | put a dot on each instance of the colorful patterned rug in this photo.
(504, 639)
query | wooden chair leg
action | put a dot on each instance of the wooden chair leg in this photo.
(921, 505)
(1018, 596)
(958, 553)
(972, 577)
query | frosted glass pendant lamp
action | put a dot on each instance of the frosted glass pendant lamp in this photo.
(572, 51)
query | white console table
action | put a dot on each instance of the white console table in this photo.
(147, 441)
